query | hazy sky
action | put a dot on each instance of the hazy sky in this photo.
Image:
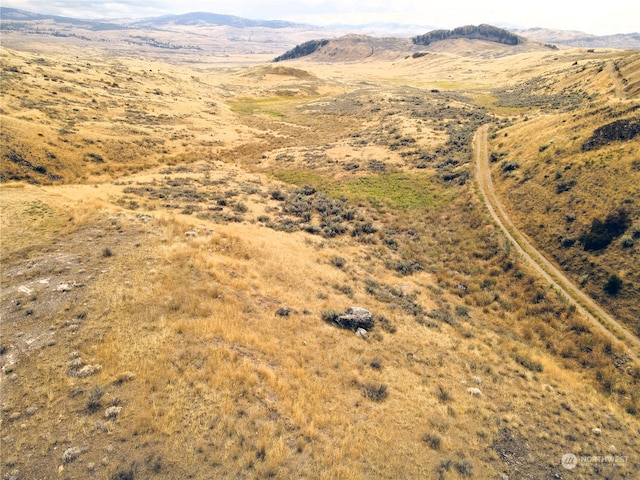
(606, 17)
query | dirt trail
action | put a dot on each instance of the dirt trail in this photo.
(584, 304)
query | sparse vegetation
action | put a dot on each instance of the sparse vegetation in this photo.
(171, 298)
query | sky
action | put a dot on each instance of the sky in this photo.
(601, 18)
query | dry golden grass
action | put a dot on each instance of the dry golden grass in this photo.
(178, 303)
(558, 189)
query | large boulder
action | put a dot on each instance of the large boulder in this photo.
(352, 319)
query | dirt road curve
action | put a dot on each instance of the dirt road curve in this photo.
(584, 304)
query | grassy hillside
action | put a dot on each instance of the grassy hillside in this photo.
(574, 189)
(169, 310)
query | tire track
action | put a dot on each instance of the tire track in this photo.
(598, 317)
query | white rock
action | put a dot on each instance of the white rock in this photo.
(63, 287)
(112, 412)
(24, 289)
(70, 454)
(362, 333)
(474, 391)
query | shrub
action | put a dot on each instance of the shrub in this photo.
(565, 186)
(626, 241)
(602, 233)
(444, 316)
(613, 285)
(509, 166)
(338, 262)
(363, 228)
(443, 394)
(464, 468)
(385, 324)
(344, 289)
(94, 157)
(277, 195)
(375, 392)
(239, 207)
(95, 397)
(124, 474)
(405, 268)
(527, 363)
(432, 440)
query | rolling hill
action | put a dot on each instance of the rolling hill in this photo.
(218, 266)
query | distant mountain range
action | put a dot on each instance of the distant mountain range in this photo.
(12, 18)
(630, 41)
(203, 18)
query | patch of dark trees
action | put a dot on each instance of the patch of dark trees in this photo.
(619, 130)
(480, 32)
(302, 50)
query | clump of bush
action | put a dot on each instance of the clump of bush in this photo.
(613, 285)
(626, 241)
(338, 262)
(432, 440)
(95, 398)
(375, 392)
(527, 363)
(509, 166)
(602, 233)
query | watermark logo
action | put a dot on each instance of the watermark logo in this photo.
(571, 461)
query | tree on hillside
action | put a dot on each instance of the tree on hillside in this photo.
(480, 32)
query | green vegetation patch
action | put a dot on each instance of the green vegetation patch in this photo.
(273, 106)
(302, 177)
(398, 190)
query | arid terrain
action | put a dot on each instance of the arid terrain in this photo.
(189, 237)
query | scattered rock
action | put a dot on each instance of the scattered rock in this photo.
(75, 363)
(14, 416)
(476, 380)
(63, 287)
(596, 431)
(24, 289)
(362, 333)
(112, 412)
(283, 312)
(71, 453)
(190, 233)
(474, 391)
(85, 371)
(13, 475)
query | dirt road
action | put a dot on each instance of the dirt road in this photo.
(584, 304)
